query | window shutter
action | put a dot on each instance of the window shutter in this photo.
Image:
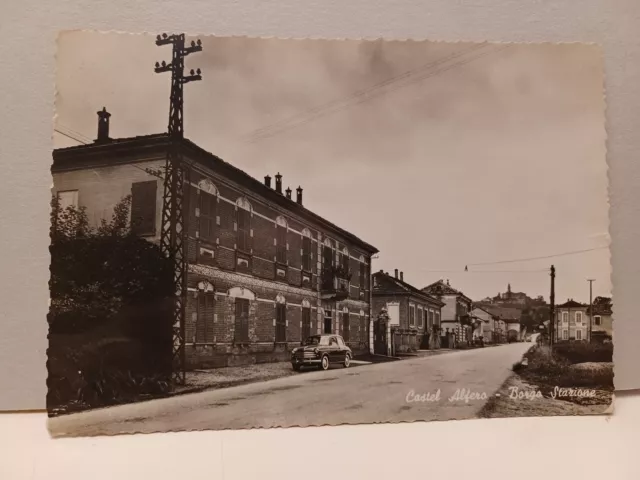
(306, 253)
(242, 320)
(143, 207)
(210, 305)
(201, 319)
(192, 205)
(243, 237)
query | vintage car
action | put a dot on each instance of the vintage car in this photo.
(321, 351)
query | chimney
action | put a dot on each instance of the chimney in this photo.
(396, 272)
(299, 195)
(448, 282)
(279, 183)
(402, 276)
(267, 181)
(381, 271)
(288, 190)
(103, 125)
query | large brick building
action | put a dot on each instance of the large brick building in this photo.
(263, 271)
(412, 313)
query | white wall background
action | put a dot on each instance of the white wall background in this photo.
(524, 448)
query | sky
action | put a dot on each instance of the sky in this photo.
(442, 155)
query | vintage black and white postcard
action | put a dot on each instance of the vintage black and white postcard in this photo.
(253, 232)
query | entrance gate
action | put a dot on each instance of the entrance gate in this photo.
(380, 337)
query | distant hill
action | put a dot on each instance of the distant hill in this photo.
(532, 312)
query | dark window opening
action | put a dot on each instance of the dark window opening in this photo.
(328, 320)
(327, 256)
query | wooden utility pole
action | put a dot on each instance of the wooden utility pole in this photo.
(552, 300)
(590, 280)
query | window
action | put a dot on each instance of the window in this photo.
(420, 317)
(242, 320)
(363, 275)
(344, 259)
(363, 327)
(328, 321)
(204, 317)
(306, 322)
(243, 225)
(565, 317)
(327, 255)
(306, 250)
(281, 322)
(597, 320)
(346, 326)
(437, 314)
(412, 315)
(68, 198)
(565, 334)
(578, 334)
(208, 207)
(143, 207)
(281, 240)
(578, 317)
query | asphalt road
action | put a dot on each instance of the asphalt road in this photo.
(377, 393)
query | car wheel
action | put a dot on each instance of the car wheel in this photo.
(324, 363)
(296, 367)
(347, 360)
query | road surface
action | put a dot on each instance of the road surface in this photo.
(401, 391)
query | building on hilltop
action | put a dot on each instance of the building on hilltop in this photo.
(264, 272)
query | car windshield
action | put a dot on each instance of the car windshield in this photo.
(317, 340)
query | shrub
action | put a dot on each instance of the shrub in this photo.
(584, 352)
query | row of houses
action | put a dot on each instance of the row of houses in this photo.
(265, 272)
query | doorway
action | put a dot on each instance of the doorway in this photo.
(328, 322)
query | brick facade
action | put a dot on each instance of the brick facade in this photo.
(255, 257)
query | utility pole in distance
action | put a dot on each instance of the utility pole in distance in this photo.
(173, 229)
(590, 280)
(552, 300)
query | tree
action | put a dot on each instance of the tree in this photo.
(110, 315)
(99, 275)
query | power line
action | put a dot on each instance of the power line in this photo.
(80, 135)
(485, 271)
(346, 103)
(72, 137)
(359, 93)
(544, 257)
(360, 101)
